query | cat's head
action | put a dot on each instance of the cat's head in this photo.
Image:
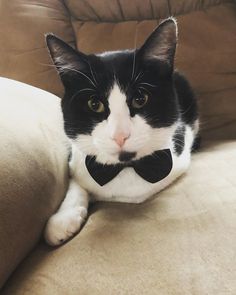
(119, 106)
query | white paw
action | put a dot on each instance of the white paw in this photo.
(64, 224)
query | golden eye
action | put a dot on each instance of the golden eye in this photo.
(96, 105)
(139, 102)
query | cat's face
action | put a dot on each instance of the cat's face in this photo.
(119, 106)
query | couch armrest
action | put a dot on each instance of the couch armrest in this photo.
(33, 168)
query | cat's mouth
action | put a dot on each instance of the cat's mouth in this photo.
(126, 156)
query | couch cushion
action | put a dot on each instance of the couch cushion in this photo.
(33, 168)
(182, 242)
(123, 10)
(24, 57)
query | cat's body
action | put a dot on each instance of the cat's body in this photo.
(127, 186)
(120, 108)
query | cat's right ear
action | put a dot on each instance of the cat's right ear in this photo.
(66, 59)
(161, 44)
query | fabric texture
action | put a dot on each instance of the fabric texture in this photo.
(33, 168)
(24, 56)
(182, 242)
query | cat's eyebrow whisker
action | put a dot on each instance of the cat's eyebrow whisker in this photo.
(82, 90)
(133, 69)
(71, 69)
(145, 89)
(138, 76)
(134, 58)
(79, 72)
(92, 73)
(145, 83)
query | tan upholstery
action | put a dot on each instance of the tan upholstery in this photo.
(183, 242)
(33, 168)
(22, 46)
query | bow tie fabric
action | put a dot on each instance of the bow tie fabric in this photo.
(152, 168)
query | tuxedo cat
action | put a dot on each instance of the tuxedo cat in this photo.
(132, 122)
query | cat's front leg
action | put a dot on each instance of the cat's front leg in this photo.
(67, 221)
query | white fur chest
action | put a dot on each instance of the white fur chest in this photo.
(128, 186)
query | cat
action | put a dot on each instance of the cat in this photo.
(132, 121)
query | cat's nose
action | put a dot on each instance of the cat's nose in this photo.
(120, 138)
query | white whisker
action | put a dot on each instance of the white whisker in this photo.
(82, 90)
(137, 77)
(145, 83)
(92, 73)
(134, 58)
(79, 72)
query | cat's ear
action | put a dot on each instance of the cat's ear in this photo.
(161, 44)
(66, 59)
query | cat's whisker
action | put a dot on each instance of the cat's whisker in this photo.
(133, 69)
(92, 73)
(145, 89)
(63, 68)
(145, 83)
(82, 90)
(138, 76)
(46, 65)
(134, 56)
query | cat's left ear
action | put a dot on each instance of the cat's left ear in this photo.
(161, 44)
(66, 59)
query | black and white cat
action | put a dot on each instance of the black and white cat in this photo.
(132, 121)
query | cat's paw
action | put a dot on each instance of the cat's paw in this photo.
(64, 224)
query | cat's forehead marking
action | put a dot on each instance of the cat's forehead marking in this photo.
(117, 101)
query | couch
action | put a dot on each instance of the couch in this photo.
(181, 242)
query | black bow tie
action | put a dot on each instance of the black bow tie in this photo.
(152, 168)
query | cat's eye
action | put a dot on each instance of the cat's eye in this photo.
(140, 101)
(96, 105)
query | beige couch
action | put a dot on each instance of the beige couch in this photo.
(183, 241)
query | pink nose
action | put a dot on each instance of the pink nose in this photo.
(120, 139)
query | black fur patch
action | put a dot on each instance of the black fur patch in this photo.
(179, 140)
